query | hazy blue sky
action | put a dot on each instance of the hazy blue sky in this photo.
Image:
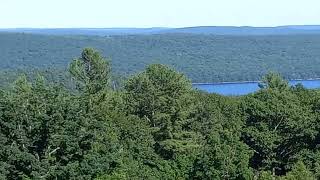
(157, 13)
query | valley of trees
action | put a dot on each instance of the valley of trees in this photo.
(155, 126)
(202, 58)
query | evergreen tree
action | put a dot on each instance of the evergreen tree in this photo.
(278, 126)
(163, 97)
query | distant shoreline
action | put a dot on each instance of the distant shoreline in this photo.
(247, 82)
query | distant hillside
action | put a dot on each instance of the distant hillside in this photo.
(230, 30)
(86, 31)
(213, 30)
(203, 58)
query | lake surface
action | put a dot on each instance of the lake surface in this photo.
(243, 88)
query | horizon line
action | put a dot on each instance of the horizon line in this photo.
(159, 27)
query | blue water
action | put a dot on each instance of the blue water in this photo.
(243, 88)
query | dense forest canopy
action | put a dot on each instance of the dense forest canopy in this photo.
(202, 58)
(155, 127)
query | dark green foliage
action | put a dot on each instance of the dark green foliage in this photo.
(278, 126)
(155, 127)
(224, 156)
(163, 97)
(46, 134)
(203, 58)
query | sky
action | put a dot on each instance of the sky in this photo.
(156, 13)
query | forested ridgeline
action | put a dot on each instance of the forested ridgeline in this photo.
(202, 58)
(156, 127)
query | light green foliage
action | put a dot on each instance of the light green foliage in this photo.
(265, 175)
(299, 172)
(91, 71)
(274, 81)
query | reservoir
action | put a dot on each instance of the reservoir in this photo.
(243, 88)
